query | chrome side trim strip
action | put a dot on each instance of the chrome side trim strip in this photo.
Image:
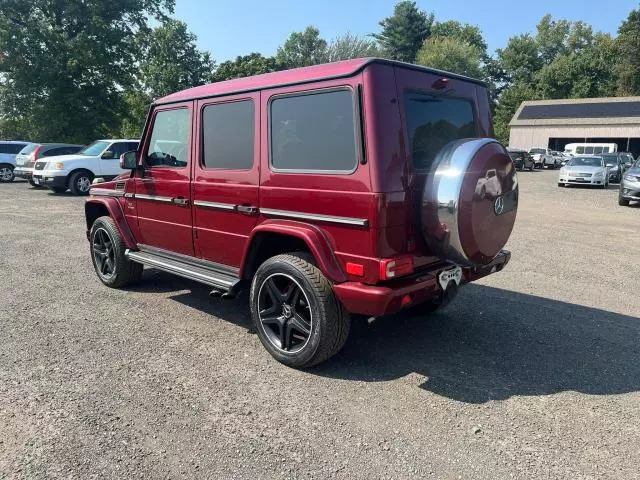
(359, 222)
(198, 262)
(129, 195)
(105, 192)
(153, 198)
(215, 205)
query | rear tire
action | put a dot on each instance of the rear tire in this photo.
(113, 268)
(295, 313)
(6, 173)
(58, 189)
(80, 182)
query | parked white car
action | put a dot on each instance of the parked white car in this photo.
(8, 152)
(584, 171)
(76, 172)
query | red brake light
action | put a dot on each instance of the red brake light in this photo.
(355, 269)
(395, 267)
(36, 152)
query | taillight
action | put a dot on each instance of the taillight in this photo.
(395, 267)
(34, 156)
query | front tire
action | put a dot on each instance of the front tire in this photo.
(80, 183)
(297, 316)
(623, 202)
(33, 184)
(58, 189)
(113, 268)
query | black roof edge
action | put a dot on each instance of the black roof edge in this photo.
(370, 61)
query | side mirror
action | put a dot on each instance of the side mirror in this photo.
(108, 155)
(129, 160)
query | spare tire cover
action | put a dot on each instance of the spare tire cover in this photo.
(469, 201)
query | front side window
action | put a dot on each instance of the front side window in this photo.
(580, 150)
(168, 146)
(433, 121)
(228, 132)
(314, 132)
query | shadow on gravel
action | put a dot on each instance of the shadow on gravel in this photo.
(492, 344)
(234, 311)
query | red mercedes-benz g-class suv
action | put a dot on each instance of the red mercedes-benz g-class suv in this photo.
(359, 187)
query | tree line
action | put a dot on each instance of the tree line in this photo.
(76, 70)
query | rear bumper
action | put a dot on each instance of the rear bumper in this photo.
(377, 300)
(23, 172)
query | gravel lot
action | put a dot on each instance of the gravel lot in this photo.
(531, 373)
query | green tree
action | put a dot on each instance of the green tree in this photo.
(467, 33)
(170, 60)
(452, 55)
(65, 64)
(404, 32)
(350, 46)
(520, 59)
(627, 68)
(510, 100)
(244, 66)
(302, 49)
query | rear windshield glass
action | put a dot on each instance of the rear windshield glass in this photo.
(29, 149)
(433, 121)
(11, 148)
(537, 150)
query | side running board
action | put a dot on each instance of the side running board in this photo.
(192, 269)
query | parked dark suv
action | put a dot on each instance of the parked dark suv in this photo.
(359, 187)
(521, 159)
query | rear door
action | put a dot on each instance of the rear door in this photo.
(162, 193)
(435, 110)
(226, 175)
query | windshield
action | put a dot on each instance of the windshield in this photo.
(537, 150)
(29, 149)
(95, 149)
(515, 155)
(586, 162)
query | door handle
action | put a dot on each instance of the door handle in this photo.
(183, 202)
(247, 209)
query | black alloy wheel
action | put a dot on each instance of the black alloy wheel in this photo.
(103, 254)
(285, 316)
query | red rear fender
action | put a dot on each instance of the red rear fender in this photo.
(314, 238)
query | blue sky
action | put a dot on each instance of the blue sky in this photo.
(228, 28)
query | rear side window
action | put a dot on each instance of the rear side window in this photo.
(12, 148)
(228, 133)
(168, 146)
(314, 132)
(433, 121)
(52, 152)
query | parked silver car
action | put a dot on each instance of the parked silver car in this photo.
(26, 159)
(584, 170)
(630, 186)
(8, 152)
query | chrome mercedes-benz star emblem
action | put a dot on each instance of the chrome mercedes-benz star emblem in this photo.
(287, 312)
(498, 206)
